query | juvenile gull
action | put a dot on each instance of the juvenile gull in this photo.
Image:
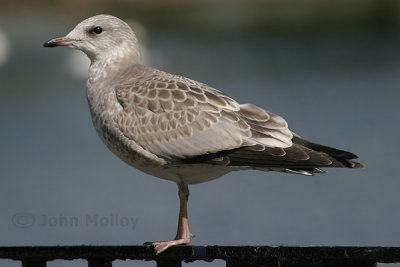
(178, 129)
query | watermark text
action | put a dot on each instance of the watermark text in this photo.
(26, 220)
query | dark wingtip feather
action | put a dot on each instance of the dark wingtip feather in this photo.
(303, 157)
(343, 158)
(357, 165)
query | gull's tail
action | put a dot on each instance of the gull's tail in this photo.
(303, 157)
(344, 158)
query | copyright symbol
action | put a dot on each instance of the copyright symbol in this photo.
(23, 219)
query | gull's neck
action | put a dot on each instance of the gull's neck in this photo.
(103, 66)
(104, 72)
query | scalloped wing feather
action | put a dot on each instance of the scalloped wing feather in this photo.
(175, 117)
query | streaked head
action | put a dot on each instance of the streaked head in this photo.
(99, 36)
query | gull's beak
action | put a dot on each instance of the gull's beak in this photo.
(60, 41)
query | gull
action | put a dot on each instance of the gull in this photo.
(178, 129)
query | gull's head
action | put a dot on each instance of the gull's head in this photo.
(99, 37)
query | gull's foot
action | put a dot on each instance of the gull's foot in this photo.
(163, 245)
(160, 246)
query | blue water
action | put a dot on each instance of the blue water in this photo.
(61, 186)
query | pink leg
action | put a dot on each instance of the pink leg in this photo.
(183, 234)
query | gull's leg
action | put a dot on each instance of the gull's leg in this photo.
(183, 221)
(183, 234)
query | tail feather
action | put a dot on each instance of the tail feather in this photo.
(342, 156)
(303, 157)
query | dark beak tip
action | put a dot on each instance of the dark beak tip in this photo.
(50, 43)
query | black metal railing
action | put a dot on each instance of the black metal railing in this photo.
(234, 256)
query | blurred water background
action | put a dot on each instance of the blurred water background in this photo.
(330, 68)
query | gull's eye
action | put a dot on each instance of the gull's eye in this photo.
(97, 30)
